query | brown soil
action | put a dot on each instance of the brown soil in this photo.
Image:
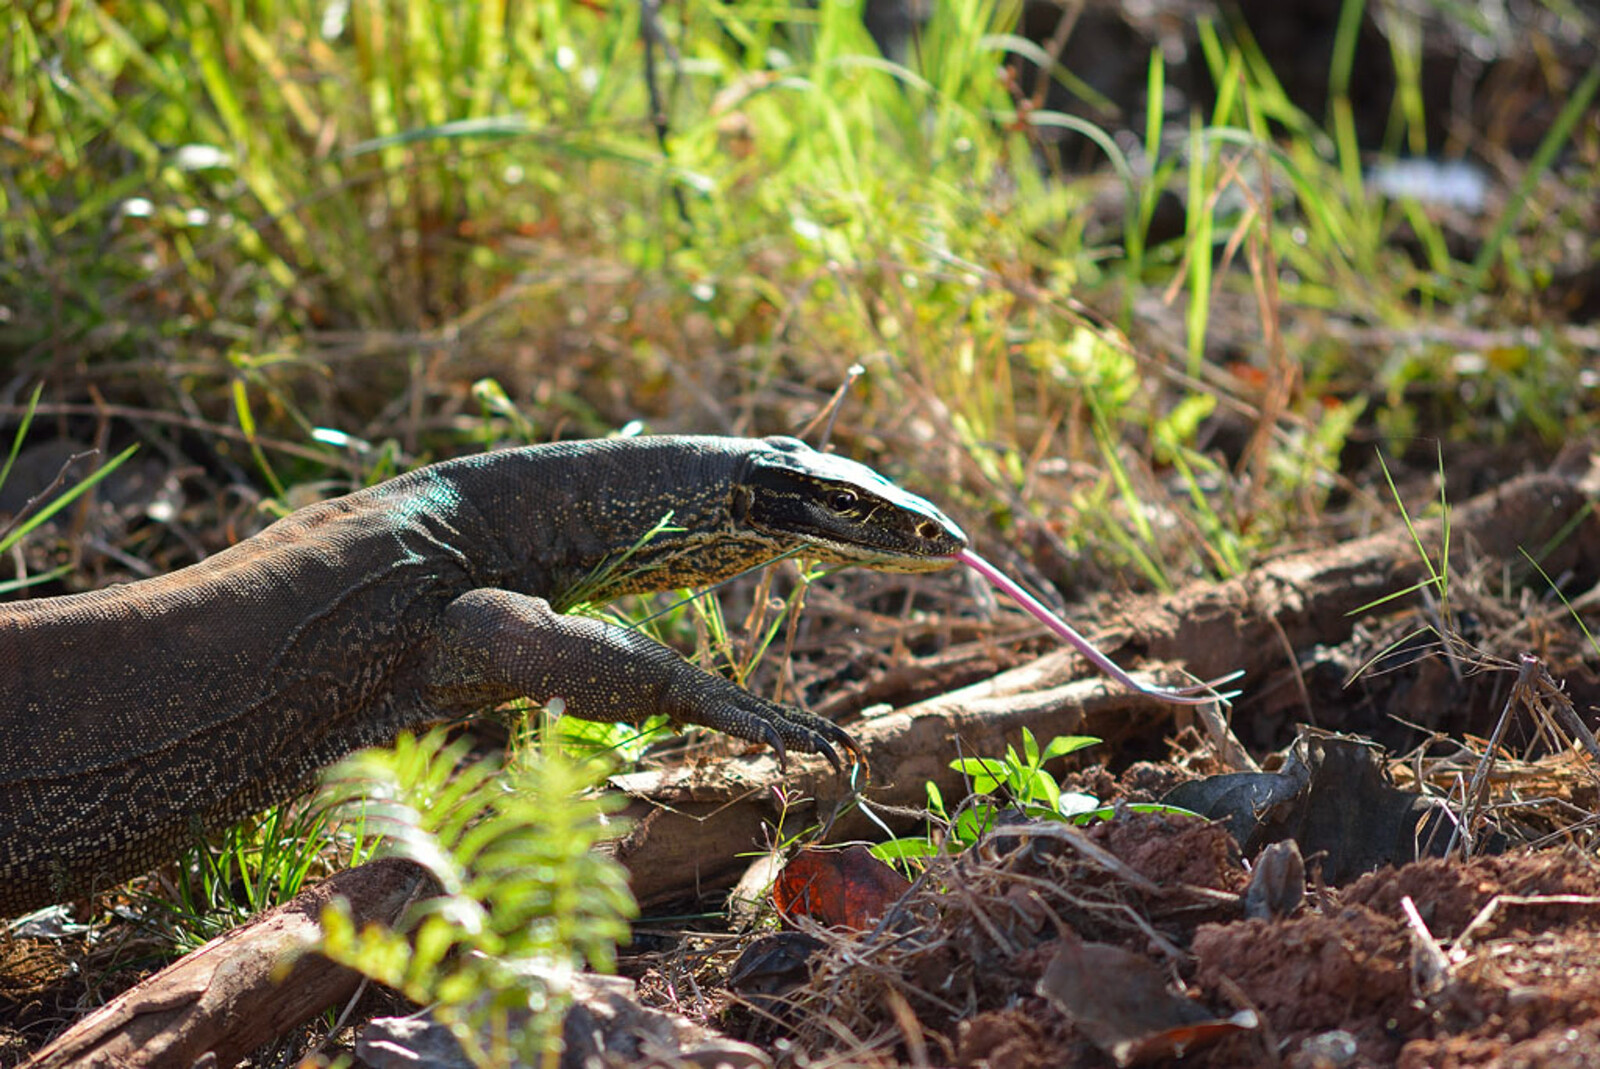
(1333, 984)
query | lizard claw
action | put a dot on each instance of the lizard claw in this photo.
(827, 751)
(842, 739)
(774, 738)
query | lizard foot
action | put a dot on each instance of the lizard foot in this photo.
(748, 716)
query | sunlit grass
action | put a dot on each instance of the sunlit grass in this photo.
(251, 867)
(254, 188)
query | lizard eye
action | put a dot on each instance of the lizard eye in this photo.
(841, 501)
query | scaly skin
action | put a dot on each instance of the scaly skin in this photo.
(136, 717)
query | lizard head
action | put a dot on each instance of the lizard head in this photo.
(841, 511)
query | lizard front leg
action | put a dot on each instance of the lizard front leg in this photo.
(492, 646)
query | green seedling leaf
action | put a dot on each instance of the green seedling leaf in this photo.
(1049, 791)
(247, 424)
(1438, 577)
(1062, 745)
(12, 585)
(1106, 812)
(986, 774)
(909, 848)
(972, 823)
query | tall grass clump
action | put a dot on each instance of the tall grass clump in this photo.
(1290, 194)
(295, 166)
(701, 214)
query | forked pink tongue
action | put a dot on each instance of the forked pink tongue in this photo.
(1199, 694)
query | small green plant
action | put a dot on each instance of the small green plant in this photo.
(525, 900)
(1015, 786)
(1022, 780)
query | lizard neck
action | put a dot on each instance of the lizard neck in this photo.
(639, 514)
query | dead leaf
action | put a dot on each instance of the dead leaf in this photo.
(1121, 1001)
(846, 888)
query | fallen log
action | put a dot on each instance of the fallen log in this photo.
(221, 1002)
(691, 829)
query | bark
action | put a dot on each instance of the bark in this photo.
(227, 998)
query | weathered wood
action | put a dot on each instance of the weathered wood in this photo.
(691, 831)
(222, 1000)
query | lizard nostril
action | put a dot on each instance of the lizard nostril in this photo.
(927, 529)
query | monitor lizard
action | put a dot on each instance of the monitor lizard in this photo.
(135, 717)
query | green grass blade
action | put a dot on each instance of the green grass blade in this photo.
(66, 498)
(1494, 246)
